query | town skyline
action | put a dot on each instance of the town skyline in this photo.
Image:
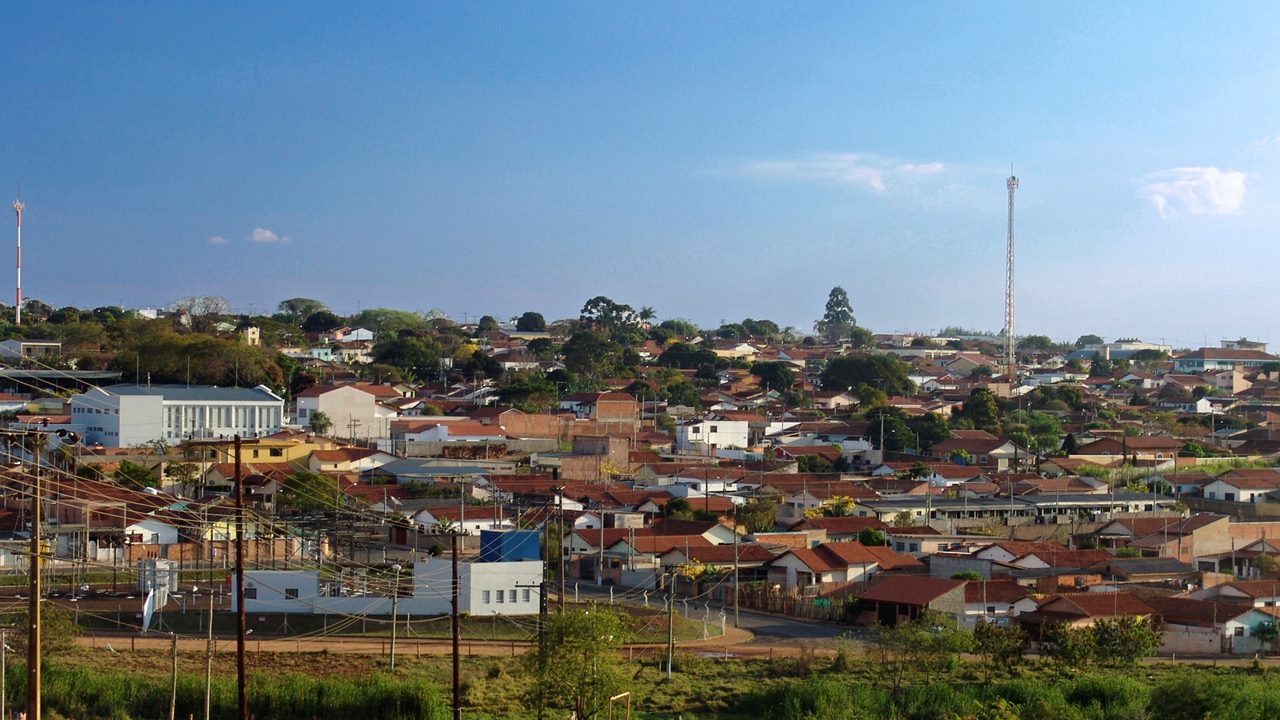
(503, 159)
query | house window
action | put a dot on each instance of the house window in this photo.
(255, 453)
(484, 597)
(501, 595)
(991, 609)
(1239, 631)
(1229, 497)
(291, 593)
(277, 452)
(511, 596)
(250, 593)
(714, 428)
(526, 595)
(695, 429)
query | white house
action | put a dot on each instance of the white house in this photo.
(130, 415)
(704, 437)
(355, 410)
(1243, 487)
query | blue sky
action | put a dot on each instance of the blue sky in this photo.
(712, 160)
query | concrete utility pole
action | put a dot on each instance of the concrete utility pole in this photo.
(671, 620)
(395, 600)
(453, 619)
(242, 695)
(33, 603)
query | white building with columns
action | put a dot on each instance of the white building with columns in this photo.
(131, 415)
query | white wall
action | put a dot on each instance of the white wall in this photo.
(432, 591)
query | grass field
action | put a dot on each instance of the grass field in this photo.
(805, 687)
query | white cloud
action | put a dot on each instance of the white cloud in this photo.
(932, 168)
(217, 240)
(263, 235)
(1270, 141)
(830, 169)
(850, 169)
(1194, 191)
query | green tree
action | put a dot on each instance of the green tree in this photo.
(529, 391)
(932, 428)
(686, 357)
(1037, 342)
(1125, 640)
(131, 474)
(1071, 646)
(307, 490)
(488, 323)
(982, 409)
(531, 322)
(776, 375)
(838, 319)
(58, 631)
(1267, 632)
(579, 667)
(680, 328)
(320, 423)
(678, 509)
(880, 371)
(295, 311)
(1003, 646)
(591, 353)
(758, 515)
(1088, 340)
(872, 537)
(320, 321)
(416, 352)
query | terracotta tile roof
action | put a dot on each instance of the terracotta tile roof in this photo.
(1201, 613)
(1099, 604)
(839, 525)
(1005, 591)
(909, 589)
(719, 554)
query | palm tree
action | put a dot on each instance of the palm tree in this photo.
(320, 423)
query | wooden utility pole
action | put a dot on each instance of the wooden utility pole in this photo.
(33, 603)
(4, 666)
(453, 620)
(242, 696)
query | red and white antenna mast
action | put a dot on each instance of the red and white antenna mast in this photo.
(17, 307)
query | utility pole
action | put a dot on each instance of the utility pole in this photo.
(208, 662)
(395, 600)
(173, 692)
(735, 565)
(4, 666)
(560, 542)
(33, 604)
(453, 621)
(671, 620)
(242, 696)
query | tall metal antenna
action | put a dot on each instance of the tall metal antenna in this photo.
(17, 307)
(1010, 342)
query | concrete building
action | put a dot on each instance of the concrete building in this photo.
(485, 589)
(130, 415)
(356, 411)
